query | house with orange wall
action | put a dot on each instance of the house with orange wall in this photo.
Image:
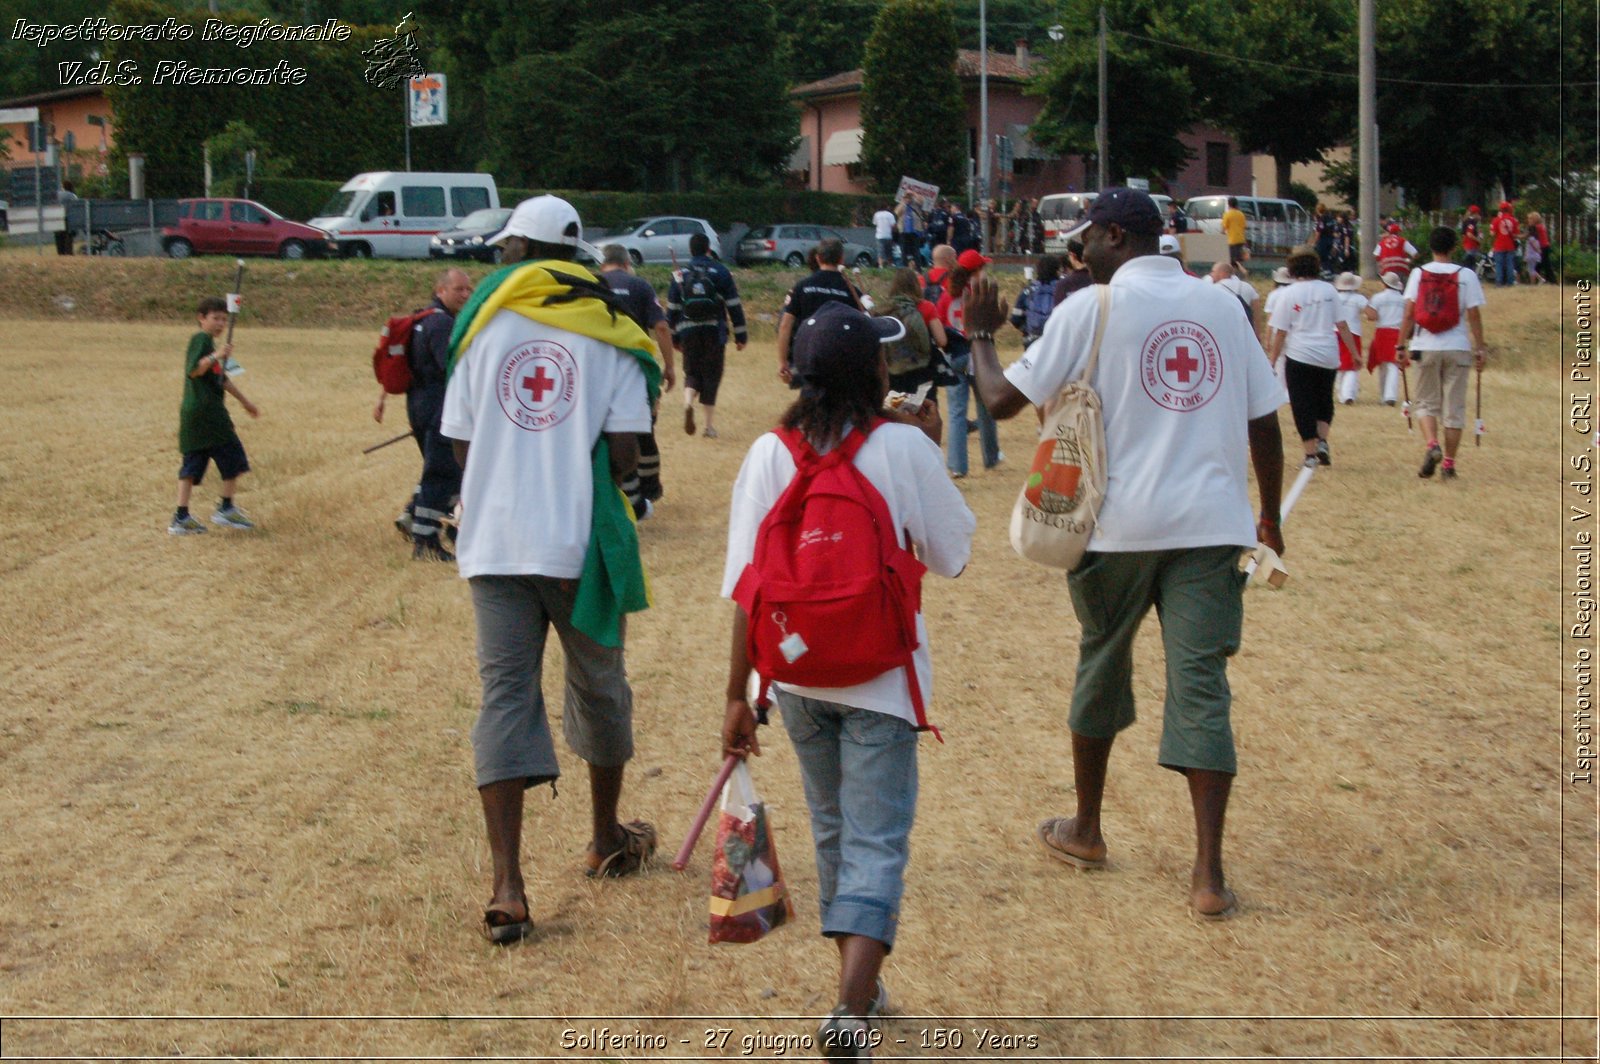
(829, 153)
(83, 146)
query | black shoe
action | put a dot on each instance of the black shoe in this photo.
(428, 549)
(1431, 462)
(1323, 457)
(1447, 473)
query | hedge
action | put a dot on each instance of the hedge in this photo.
(302, 198)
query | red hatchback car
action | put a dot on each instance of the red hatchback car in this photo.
(238, 227)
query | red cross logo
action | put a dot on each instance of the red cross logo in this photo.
(538, 384)
(1297, 308)
(1182, 365)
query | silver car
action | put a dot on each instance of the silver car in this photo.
(658, 239)
(789, 244)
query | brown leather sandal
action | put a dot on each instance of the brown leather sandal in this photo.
(501, 924)
(638, 847)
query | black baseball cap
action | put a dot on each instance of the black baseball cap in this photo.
(1130, 208)
(836, 338)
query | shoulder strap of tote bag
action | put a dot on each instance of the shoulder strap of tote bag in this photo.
(1104, 292)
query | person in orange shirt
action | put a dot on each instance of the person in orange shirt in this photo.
(1505, 230)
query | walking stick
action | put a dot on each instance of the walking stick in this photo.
(681, 861)
(235, 298)
(1405, 385)
(380, 446)
(1477, 435)
(1264, 564)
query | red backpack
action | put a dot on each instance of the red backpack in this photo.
(391, 359)
(831, 596)
(1438, 307)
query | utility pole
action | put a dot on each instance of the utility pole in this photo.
(1101, 135)
(983, 100)
(406, 97)
(1367, 146)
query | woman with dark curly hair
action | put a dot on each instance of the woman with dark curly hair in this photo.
(856, 746)
(1307, 329)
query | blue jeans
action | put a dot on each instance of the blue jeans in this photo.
(859, 768)
(955, 436)
(1505, 268)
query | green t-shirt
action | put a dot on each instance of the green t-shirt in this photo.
(203, 420)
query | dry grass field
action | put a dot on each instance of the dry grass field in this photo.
(235, 775)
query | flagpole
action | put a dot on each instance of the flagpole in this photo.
(405, 97)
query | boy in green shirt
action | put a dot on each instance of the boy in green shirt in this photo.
(205, 431)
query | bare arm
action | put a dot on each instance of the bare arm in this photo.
(377, 408)
(233, 390)
(1475, 324)
(785, 331)
(669, 371)
(1402, 352)
(1274, 344)
(738, 722)
(460, 448)
(624, 448)
(986, 312)
(1266, 455)
(209, 363)
(936, 330)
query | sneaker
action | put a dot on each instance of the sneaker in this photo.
(643, 509)
(402, 524)
(1390, 402)
(844, 1037)
(1310, 462)
(1347, 402)
(1322, 453)
(187, 525)
(1447, 473)
(232, 517)
(688, 420)
(1431, 462)
(710, 433)
(428, 549)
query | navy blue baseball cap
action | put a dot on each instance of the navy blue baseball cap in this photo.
(1130, 208)
(834, 339)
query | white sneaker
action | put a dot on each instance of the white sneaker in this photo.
(232, 517)
(187, 525)
(845, 1037)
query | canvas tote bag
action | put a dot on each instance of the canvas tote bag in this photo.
(1055, 511)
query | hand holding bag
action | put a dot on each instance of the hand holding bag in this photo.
(1055, 511)
(748, 895)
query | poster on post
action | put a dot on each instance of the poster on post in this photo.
(429, 105)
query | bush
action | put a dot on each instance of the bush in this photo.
(297, 198)
(1577, 263)
(1302, 194)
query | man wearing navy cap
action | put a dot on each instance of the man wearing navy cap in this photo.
(1187, 393)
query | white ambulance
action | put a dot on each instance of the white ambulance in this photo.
(394, 215)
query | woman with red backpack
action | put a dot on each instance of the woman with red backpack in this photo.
(852, 714)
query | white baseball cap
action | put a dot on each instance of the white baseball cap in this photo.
(548, 219)
(1171, 245)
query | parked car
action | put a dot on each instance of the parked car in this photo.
(1274, 226)
(789, 244)
(239, 227)
(466, 241)
(393, 214)
(1061, 213)
(658, 239)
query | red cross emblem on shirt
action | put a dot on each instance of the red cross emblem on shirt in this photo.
(1297, 308)
(538, 384)
(1182, 365)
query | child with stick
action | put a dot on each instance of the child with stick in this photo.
(205, 431)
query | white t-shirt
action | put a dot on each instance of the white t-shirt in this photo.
(1245, 291)
(1391, 307)
(1271, 301)
(883, 222)
(1470, 295)
(1180, 375)
(1307, 311)
(533, 400)
(907, 468)
(1350, 306)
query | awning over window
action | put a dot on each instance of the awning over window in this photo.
(842, 148)
(800, 158)
(1022, 147)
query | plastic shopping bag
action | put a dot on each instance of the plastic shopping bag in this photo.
(748, 895)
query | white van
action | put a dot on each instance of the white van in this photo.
(395, 215)
(1061, 212)
(1273, 225)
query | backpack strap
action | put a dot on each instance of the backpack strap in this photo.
(1104, 292)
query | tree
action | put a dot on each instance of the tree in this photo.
(823, 37)
(601, 111)
(1499, 123)
(1286, 92)
(1150, 96)
(913, 119)
(229, 167)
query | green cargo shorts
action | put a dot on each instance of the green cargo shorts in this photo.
(1198, 596)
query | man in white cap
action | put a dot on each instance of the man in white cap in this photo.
(550, 386)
